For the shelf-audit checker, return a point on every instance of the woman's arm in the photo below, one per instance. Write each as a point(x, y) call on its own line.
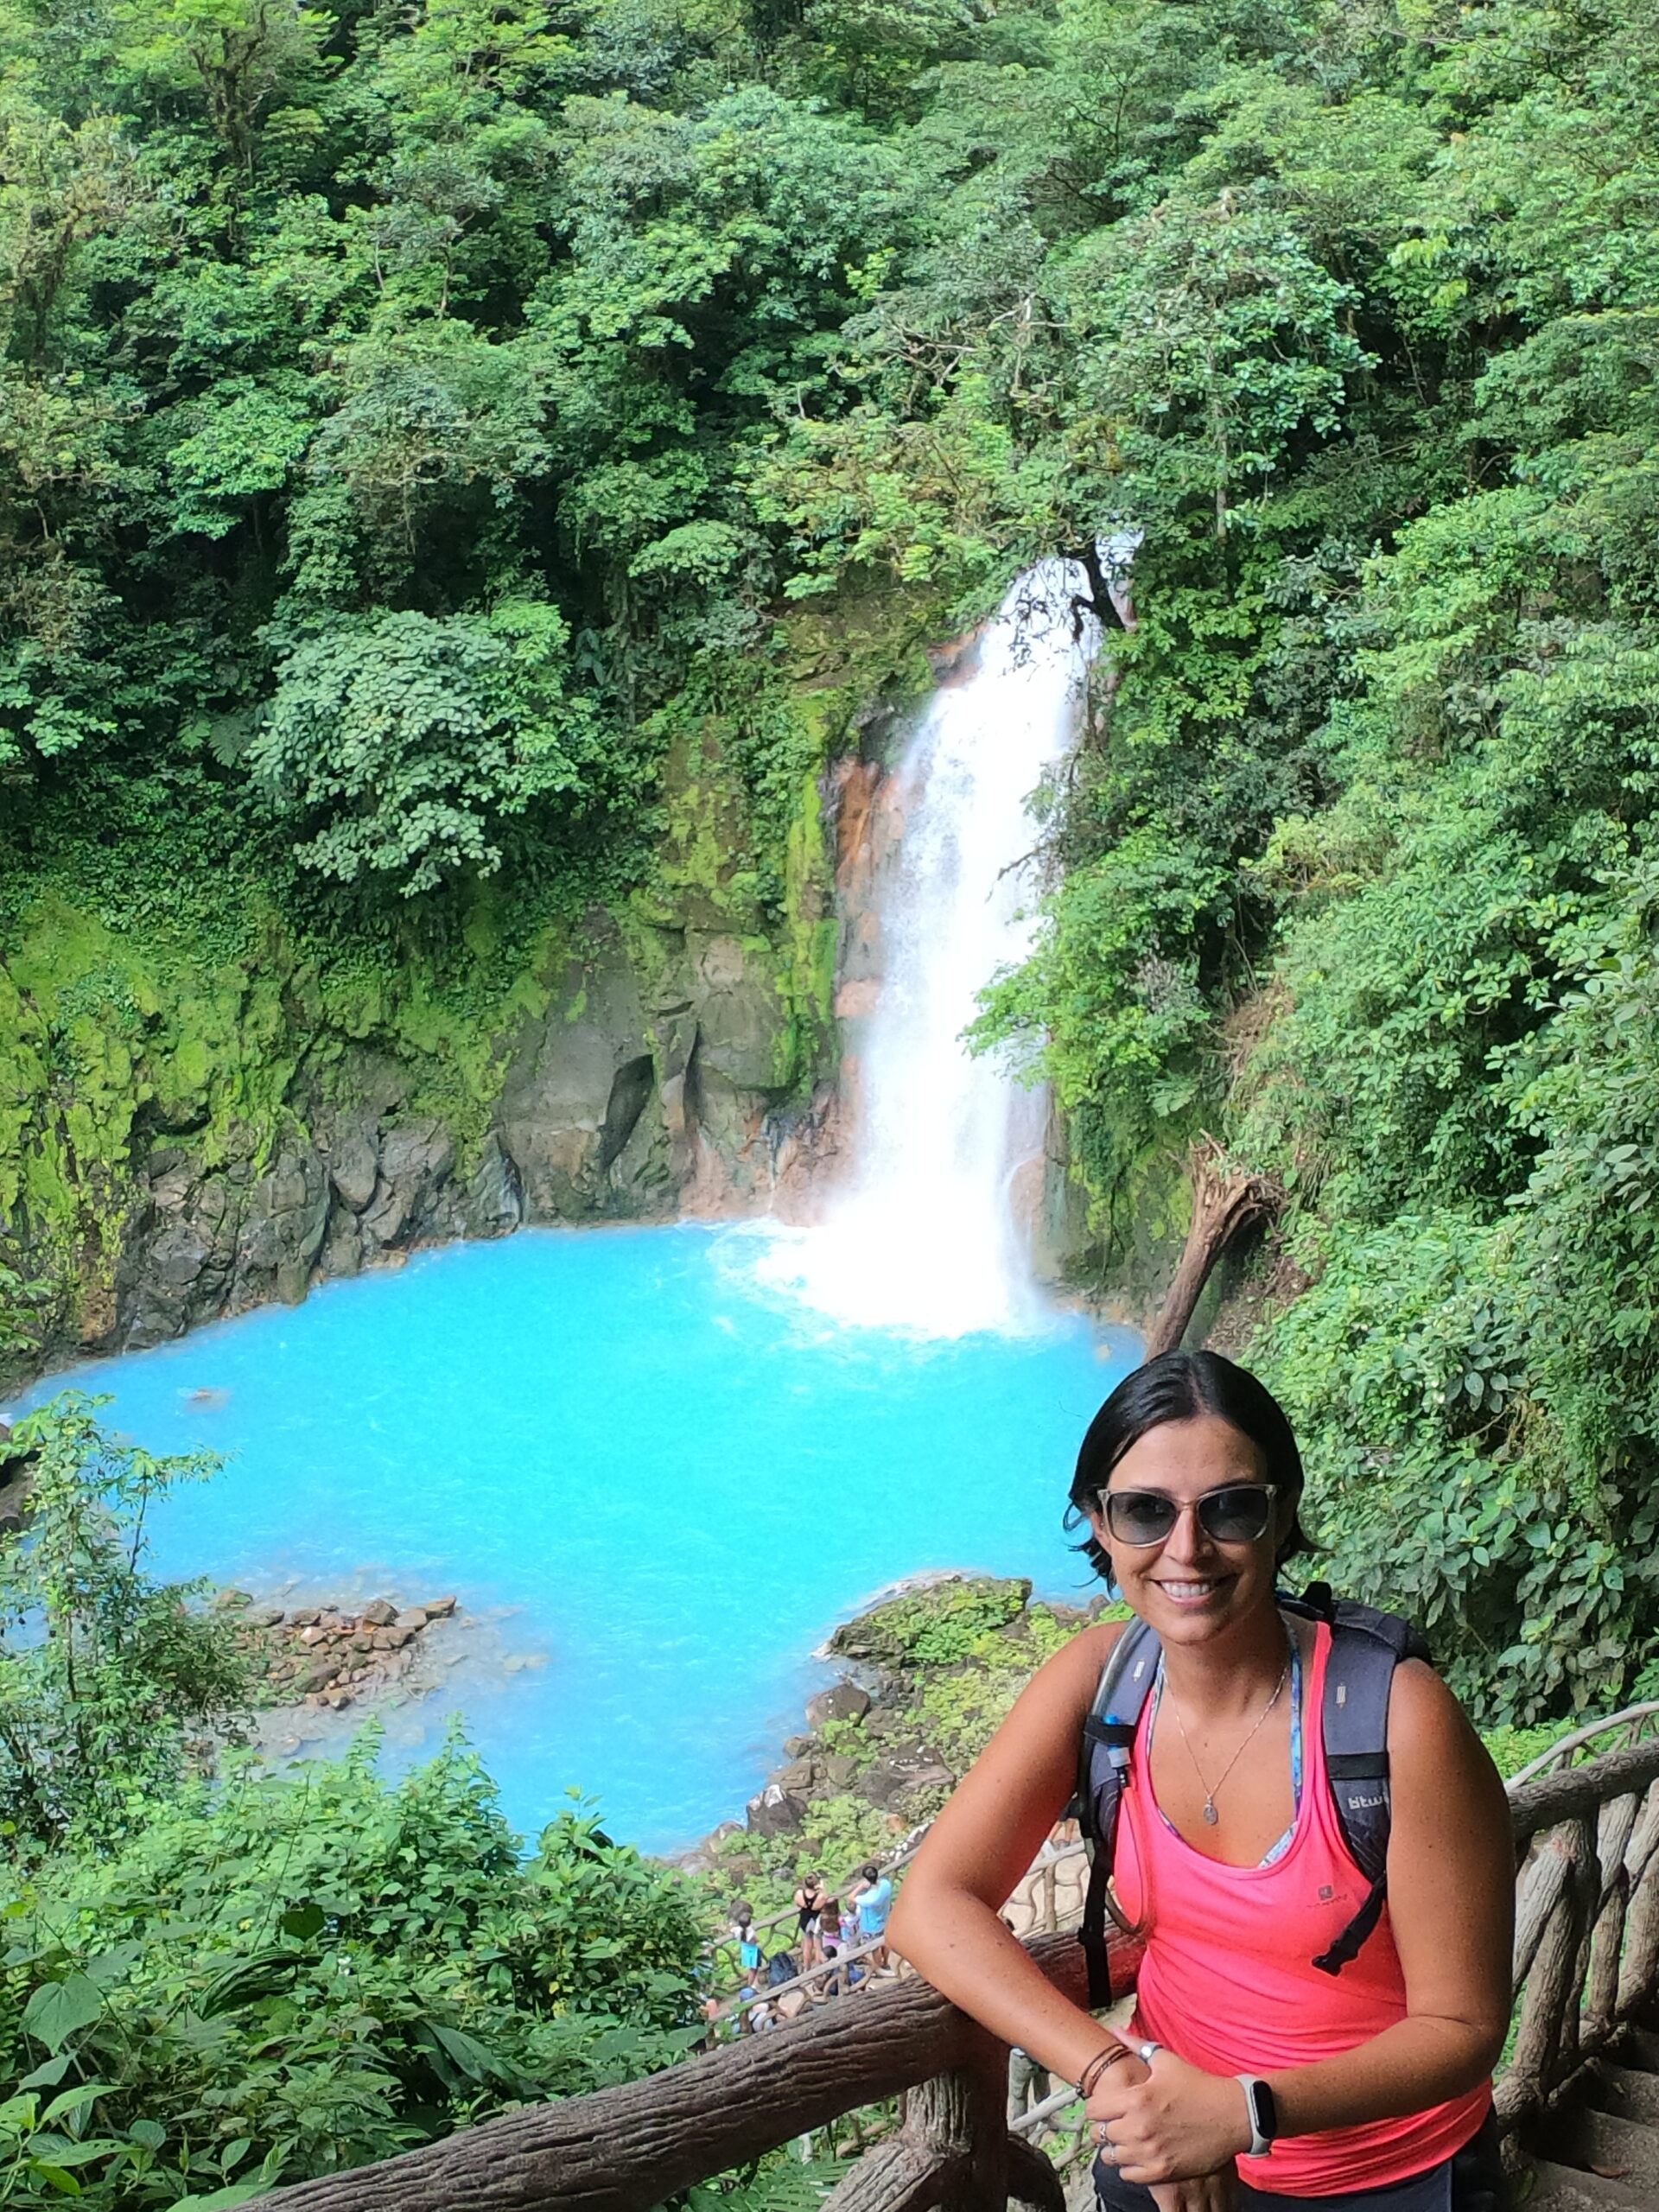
point(946, 1918)
point(1451, 1905)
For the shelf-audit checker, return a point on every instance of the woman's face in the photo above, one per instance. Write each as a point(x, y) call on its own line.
point(1189, 1587)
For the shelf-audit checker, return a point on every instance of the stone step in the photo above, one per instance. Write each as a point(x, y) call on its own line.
point(1625, 2091)
point(1627, 2152)
point(1565, 2188)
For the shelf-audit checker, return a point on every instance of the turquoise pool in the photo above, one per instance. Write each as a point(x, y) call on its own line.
point(654, 1483)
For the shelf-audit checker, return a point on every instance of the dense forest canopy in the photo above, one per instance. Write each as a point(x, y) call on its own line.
point(413, 414)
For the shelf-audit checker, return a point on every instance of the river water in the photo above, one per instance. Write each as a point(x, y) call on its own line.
point(658, 1465)
point(645, 1473)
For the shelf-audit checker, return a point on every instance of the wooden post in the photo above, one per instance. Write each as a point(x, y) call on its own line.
point(961, 2119)
point(1537, 1893)
point(1639, 1968)
point(1606, 1942)
point(1549, 2008)
point(1614, 1829)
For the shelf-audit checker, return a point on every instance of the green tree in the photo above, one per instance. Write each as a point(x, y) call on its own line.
point(104, 1670)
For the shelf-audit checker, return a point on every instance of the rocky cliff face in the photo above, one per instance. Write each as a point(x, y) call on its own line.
point(657, 1077)
point(177, 1142)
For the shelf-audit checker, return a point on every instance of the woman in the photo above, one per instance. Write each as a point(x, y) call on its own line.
point(1377, 2080)
point(830, 1940)
point(809, 1899)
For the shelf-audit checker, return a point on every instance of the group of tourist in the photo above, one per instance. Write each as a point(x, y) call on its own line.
point(836, 1949)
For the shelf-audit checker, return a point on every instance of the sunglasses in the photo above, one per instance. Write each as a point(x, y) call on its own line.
point(1237, 1513)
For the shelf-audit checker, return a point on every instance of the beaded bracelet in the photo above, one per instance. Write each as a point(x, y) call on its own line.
point(1108, 2055)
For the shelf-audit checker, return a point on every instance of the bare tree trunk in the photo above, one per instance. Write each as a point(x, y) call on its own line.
point(1224, 1202)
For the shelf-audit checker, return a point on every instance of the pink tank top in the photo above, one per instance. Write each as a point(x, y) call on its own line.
point(1229, 1984)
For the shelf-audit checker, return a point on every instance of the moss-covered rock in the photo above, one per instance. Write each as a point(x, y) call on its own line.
point(934, 1625)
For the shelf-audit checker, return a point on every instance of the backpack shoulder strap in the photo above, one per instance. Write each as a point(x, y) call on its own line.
point(1366, 1646)
point(1103, 1770)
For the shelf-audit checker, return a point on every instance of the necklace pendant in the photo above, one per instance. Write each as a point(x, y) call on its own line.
point(1209, 1813)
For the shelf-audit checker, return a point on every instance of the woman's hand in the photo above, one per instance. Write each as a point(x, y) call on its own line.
point(1173, 2123)
point(1216, 2192)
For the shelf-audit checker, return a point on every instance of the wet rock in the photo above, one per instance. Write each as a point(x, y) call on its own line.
point(341, 1255)
point(839, 1771)
point(842, 1700)
point(412, 1617)
point(415, 1158)
point(282, 1229)
point(799, 1777)
point(775, 1811)
point(580, 1083)
point(229, 1600)
point(168, 1270)
point(380, 1612)
point(495, 1201)
point(437, 1608)
point(890, 1779)
point(353, 1152)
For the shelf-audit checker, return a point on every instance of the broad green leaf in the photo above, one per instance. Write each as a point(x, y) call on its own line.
point(59, 2010)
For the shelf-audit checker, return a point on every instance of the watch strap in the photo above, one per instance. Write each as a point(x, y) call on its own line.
point(1263, 2113)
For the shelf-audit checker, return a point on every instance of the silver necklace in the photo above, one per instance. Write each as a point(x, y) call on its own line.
point(1209, 1813)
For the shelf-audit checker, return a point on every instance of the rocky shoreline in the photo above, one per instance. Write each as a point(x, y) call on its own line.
point(927, 1673)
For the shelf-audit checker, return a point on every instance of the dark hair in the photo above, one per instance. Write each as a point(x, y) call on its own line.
point(1181, 1385)
point(870, 1873)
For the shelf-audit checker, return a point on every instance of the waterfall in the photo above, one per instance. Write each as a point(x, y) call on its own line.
point(924, 1236)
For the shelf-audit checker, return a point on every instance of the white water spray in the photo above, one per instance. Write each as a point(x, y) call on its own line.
point(926, 1238)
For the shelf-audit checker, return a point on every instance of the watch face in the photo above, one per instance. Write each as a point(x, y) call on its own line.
point(1264, 2113)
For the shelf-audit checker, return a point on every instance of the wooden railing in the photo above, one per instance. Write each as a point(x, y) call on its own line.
point(1587, 1960)
point(627, 2149)
point(1586, 1907)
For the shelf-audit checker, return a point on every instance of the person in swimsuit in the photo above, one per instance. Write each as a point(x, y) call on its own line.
point(808, 1898)
point(1247, 2071)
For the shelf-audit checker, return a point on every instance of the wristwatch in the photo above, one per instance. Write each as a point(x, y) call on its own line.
point(1263, 2112)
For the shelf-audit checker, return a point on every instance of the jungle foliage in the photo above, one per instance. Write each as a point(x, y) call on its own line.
point(214, 1978)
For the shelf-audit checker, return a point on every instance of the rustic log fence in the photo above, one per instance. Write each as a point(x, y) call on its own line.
point(1586, 1907)
point(1587, 1962)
